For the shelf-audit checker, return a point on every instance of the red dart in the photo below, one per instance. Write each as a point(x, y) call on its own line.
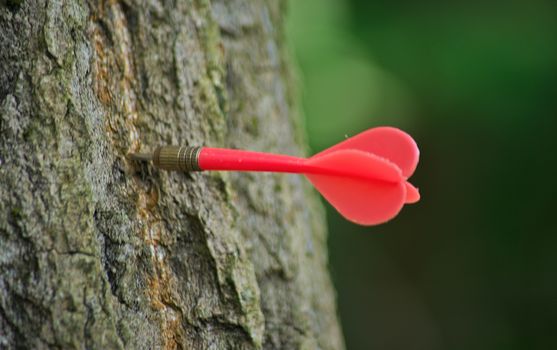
point(363, 177)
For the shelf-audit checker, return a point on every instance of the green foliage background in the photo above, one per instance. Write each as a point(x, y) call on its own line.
point(472, 266)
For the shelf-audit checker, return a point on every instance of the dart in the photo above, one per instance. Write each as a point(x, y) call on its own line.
point(363, 177)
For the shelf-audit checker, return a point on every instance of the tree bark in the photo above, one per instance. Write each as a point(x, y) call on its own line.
point(97, 251)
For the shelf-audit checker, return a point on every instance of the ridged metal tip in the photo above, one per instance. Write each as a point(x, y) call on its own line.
point(144, 157)
point(171, 158)
point(177, 158)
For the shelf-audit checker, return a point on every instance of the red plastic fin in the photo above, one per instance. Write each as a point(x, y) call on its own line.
point(412, 193)
point(365, 202)
point(356, 164)
point(387, 142)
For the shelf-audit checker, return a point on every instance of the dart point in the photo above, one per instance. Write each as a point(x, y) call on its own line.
point(143, 157)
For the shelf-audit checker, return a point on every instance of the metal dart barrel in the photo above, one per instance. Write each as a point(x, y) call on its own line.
point(178, 158)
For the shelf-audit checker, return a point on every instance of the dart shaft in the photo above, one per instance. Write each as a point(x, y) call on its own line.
point(207, 158)
point(231, 159)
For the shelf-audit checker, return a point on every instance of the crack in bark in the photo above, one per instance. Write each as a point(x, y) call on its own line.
point(159, 284)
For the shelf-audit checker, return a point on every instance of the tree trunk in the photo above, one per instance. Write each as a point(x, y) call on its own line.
point(97, 251)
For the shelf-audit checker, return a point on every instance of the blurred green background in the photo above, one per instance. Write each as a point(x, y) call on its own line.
point(473, 265)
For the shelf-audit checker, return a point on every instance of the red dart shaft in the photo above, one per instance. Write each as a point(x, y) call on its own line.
point(231, 159)
point(239, 160)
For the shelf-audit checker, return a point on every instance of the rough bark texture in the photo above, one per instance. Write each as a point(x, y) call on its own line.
point(100, 252)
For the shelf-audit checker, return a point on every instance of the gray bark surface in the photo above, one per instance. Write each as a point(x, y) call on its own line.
point(99, 252)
